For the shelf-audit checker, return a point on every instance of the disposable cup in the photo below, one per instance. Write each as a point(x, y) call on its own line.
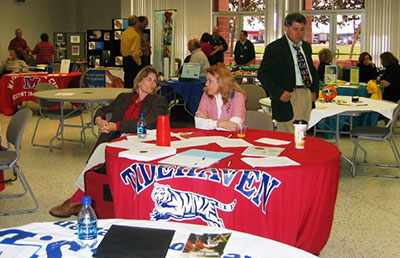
point(163, 131)
point(241, 132)
point(300, 131)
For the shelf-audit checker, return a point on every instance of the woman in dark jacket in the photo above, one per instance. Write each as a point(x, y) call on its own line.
point(391, 77)
point(367, 68)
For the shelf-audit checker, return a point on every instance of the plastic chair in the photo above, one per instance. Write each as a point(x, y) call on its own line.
point(375, 134)
point(46, 112)
point(9, 157)
point(254, 94)
point(259, 120)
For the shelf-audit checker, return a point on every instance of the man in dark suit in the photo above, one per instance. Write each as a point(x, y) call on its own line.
point(217, 42)
point(288, 75)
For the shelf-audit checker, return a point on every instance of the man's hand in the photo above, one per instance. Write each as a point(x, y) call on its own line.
point(285, 97)
point(313, 96)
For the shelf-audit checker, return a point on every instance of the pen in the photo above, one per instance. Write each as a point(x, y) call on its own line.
point(229, 136)
point(229, 163)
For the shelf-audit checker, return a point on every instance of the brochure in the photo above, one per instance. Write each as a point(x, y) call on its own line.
point(206, 245)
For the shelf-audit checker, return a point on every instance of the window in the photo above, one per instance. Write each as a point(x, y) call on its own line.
point(232, 16)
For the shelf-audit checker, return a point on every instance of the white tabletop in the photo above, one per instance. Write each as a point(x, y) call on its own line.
point(328, 109)
point(81, 95)
point(40, 236)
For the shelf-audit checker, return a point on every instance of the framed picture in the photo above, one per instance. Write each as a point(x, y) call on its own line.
point(60, 54)
point(118, 24)
point(118, 60)
point(94, 34)
point(117, 35)
point(92, 45)
point(59, 37)
point(75, 50)
point(75, 39)
point(106, 36)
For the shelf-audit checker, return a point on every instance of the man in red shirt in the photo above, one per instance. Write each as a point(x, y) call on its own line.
point(19, 42)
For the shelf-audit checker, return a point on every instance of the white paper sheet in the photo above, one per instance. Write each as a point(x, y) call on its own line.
point(262, 151)
point(270, 162)
point(128, 144)
point(64, 94)
point(272, 141)
point(227, 142)
point(147, 152)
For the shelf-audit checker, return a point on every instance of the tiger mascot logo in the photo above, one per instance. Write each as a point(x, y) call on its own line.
point(180, 205)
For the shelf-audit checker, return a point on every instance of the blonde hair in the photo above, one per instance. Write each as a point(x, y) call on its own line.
point(324, 54)
point(143, 74)
point(226, 82)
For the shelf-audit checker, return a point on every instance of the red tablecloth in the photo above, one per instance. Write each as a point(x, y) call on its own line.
point(16, 88)
point(292, 204)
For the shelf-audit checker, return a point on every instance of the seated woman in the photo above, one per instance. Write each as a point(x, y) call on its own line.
point(222, 105)
point(367, 68)
point(13, 63)
point(391, 77)
point(125, 110)
point(325, 58)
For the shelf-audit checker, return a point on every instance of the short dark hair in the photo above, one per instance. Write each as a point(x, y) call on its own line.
point(244, 32)
point(294, 17)
point(44, 37)
point(142, 18)
point(205, 37)
point(388, 59)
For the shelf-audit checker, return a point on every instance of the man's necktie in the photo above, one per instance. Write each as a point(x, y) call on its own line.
point(305, 75)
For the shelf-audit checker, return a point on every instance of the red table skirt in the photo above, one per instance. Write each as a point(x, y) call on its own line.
point(292, 204)
point(17, 88)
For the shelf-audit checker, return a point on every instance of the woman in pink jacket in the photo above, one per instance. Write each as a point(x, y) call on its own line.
point(222, 106)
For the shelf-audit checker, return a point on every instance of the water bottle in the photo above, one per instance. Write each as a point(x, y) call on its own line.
point(87, 224)
point(50, 68)
point(141, 128)
point(21, 68)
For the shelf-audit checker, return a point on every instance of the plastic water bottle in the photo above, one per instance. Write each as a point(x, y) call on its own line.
point(50, 68)
point(87, 224)
point(141, 128)
point(21, 68)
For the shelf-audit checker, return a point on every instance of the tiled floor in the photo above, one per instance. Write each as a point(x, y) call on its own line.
point(367, 214)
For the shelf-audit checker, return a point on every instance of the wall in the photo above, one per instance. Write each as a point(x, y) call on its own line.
point(37, 16)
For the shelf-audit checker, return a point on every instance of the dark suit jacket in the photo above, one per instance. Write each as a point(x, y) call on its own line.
point(277, 75)
point(153, 106)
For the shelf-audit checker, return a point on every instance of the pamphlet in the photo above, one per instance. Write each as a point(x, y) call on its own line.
point(261, 151)
point(354, 75)
point(330, 73)
point(206, 245)
point(196, 158)
point(147, 152)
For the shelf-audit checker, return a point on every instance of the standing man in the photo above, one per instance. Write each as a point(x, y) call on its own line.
point(131, 51)
point(244, 50)
point(288, 75)
point(146, 48)
point(19, 42)
point(197, 56)
point(219, 43)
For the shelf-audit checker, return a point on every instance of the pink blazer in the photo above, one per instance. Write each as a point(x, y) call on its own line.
point(235, 107)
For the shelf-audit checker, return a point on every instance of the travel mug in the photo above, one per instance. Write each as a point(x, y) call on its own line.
point(300, 131)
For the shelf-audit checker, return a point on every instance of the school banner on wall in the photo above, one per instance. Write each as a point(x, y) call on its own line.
point(164, 41)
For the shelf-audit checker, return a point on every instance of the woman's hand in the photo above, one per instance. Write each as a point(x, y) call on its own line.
point(103, 125)
point(385, 83)
point(201, 115)
point(228, 125)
